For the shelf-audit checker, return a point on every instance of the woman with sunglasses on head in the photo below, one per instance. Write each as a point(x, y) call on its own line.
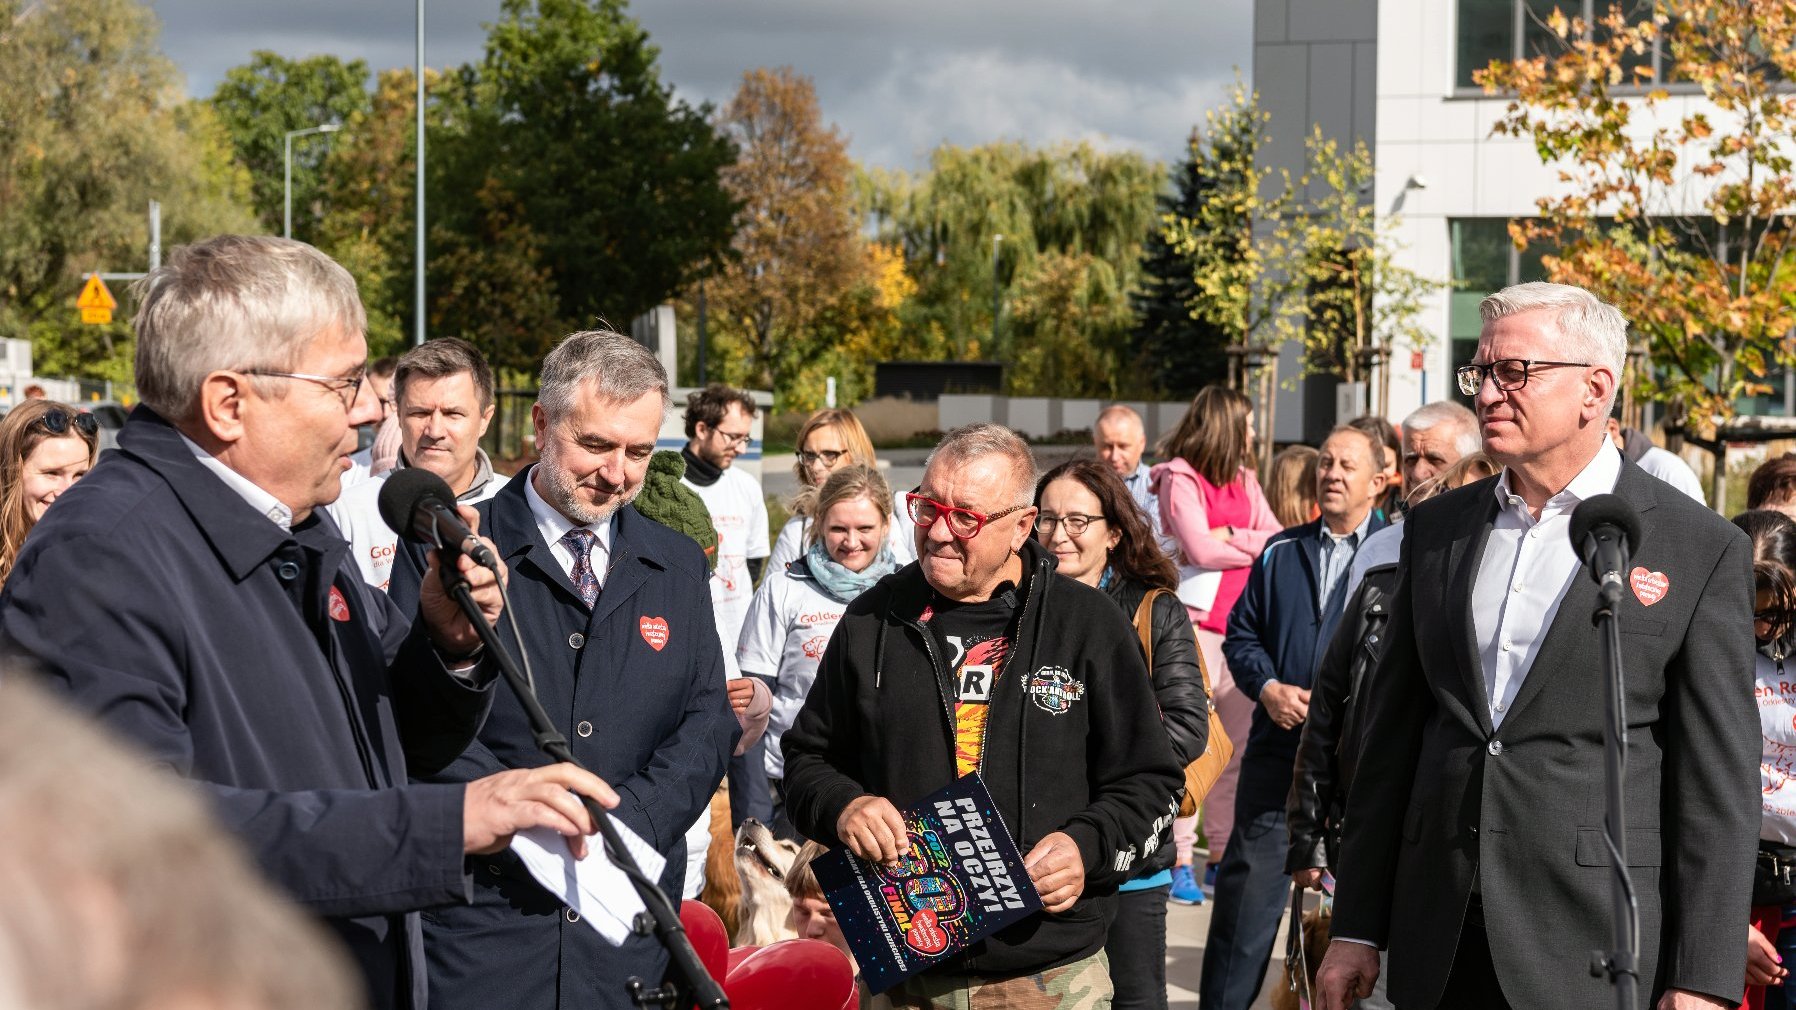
point(830, 440)
point(1772, 925)
point(1212, 505)
point(1098, 536)
point(45, 447)
point(796, 607)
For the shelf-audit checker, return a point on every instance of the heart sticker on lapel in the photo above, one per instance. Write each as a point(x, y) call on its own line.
point(339, 607)
point(654, 631)
point(1649, 587)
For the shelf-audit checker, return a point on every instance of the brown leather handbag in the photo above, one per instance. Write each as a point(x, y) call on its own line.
point(1202, 773)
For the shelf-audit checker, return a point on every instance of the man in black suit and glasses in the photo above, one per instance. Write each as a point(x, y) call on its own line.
point(1473, 836)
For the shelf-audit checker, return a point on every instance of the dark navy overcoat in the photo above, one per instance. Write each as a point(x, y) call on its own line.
point(637, 686)
point(255, 662)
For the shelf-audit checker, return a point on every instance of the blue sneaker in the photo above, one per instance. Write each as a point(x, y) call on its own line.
point(1184, 887)
point(1210, 877)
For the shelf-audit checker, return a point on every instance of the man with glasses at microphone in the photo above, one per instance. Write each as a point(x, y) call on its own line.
point(1473, 846)
point(194, 597)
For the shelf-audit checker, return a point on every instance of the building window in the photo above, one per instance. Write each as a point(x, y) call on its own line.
point(1517, 29)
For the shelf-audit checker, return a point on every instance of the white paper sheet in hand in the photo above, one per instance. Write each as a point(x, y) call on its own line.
point(594, 886)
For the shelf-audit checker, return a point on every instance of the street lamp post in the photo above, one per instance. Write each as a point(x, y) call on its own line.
point(418, 193)
point(287, 187)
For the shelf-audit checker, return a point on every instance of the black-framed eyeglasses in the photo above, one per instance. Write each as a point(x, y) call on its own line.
point(59, 421)
point(964, 524)
point(347, 387)
point(1074, 522)
point(1508, 373)
point(1776, 616)
point(729, 439)
point(827, 457)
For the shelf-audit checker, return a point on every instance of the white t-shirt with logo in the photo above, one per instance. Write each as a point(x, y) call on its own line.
point(789, 624)
point(371, 541)
point(1776, 693)
point(739, 512)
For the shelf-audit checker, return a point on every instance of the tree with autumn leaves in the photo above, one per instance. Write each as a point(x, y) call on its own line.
point(1674, 207)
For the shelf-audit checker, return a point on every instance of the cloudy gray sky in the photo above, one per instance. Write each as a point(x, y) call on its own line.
point(897, 78)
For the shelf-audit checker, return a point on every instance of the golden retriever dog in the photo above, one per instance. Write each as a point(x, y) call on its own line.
point(764, 911)
point(723, 888)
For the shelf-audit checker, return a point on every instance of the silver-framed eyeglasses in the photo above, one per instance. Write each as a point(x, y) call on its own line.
point(1508, 373)
point(729, 439)
point(1074, 522)
point(345, 386)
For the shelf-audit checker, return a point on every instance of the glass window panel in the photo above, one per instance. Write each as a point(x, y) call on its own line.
point(1480, 253)
point(1537, 38)
point(1486, 32)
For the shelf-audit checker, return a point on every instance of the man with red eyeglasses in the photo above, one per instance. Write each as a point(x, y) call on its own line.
point(981, 658)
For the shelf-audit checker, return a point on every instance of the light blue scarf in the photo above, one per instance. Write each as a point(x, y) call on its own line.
point(841, 584)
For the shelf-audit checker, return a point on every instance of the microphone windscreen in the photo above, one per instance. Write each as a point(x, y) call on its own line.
point(404, 490)
point(1605, 509)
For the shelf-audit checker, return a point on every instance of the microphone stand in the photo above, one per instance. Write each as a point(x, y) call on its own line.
point(687, 984)
point(1620, 965)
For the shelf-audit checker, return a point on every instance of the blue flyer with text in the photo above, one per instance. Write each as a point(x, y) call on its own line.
point(961, 881)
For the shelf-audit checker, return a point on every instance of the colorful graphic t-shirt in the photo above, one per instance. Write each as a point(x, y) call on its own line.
point(975, 640)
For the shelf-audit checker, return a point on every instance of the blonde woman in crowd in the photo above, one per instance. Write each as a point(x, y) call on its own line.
point(830, 440)
point(1291, 485)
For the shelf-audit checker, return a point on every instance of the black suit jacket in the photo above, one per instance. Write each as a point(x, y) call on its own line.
point(1440, 798)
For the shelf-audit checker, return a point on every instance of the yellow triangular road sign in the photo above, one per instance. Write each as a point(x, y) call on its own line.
point(95, 296)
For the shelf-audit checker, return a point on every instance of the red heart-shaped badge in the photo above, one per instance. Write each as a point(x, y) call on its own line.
point(339, 607)
point(926, 935)
point(1649, 587)
point(654, 632)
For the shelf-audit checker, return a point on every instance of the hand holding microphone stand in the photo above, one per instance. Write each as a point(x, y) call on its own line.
point(419, 506)
point(1604, 531)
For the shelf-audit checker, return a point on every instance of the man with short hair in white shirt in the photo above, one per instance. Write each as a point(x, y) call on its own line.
point(1121, 440)
point(1473, 840)
point(718, 420)
point(1661, 463)
point(443, 389)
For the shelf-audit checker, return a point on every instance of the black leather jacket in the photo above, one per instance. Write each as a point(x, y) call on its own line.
point(1178, 689)
point(1329, 750)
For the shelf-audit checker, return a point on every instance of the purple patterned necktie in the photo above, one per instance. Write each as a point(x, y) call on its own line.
point(579, 543)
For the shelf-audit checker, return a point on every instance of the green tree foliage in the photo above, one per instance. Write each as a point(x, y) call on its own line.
point(617, 178)
point(1064, 208)
point(1181, 352)
point(93, 130)
point(491, 287)
point(261, 101)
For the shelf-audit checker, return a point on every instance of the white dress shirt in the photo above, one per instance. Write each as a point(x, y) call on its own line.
point(552, 526)
point(248, 490)
point(1527, 566)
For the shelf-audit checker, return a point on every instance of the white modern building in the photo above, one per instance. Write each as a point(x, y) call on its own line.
point(1398, 74)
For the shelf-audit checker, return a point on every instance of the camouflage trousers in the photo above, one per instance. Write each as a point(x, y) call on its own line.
point(1082, 985)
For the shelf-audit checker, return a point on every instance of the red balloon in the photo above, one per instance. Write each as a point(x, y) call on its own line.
point(792, 975)
point(705, 929)
point(738, 954)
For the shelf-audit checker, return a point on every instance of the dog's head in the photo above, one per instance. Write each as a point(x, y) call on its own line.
point(762, 862)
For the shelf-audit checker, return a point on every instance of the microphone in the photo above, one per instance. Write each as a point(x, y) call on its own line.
point(1604, 531)
point(418, 505)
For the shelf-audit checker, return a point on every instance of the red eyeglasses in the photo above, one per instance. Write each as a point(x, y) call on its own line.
point(964, 524)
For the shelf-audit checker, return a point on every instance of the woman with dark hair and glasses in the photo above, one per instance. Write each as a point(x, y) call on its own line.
point(1773, 924)
point(1098, 536)
point(45, 446)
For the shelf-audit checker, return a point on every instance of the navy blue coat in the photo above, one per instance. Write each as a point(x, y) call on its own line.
point(1277, 632)
point(202, 632)
point(655, 723)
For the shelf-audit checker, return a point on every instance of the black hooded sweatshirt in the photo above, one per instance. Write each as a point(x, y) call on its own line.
point(880, 720)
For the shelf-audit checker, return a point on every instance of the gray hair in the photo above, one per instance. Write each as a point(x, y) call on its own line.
point(1595, 331)
point(623, 371)
point(970, 442)
point(1428, 415)
point(234, 302)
